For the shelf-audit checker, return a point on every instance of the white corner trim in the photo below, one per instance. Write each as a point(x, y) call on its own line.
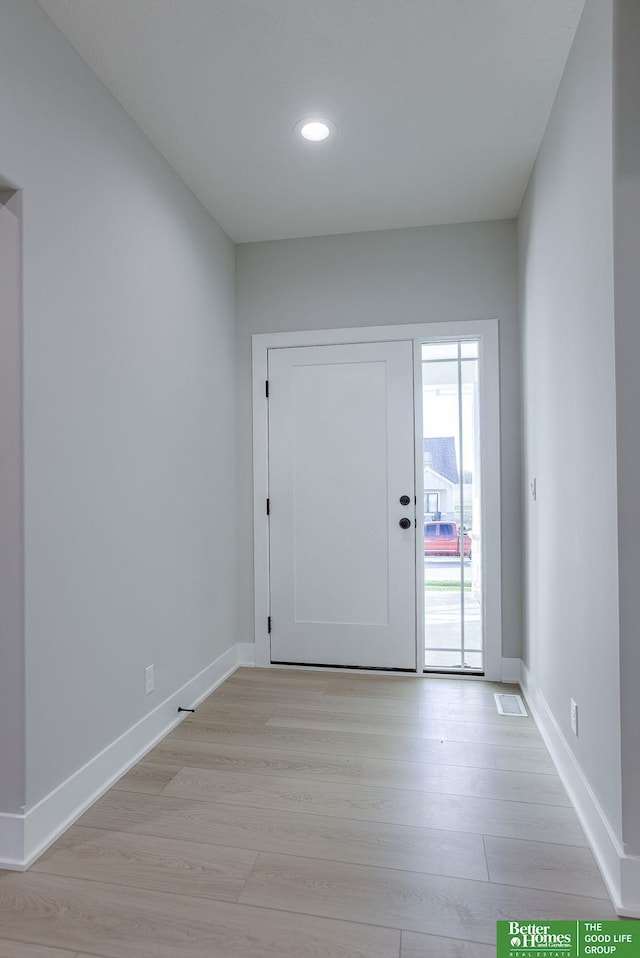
point(23, 838)
point(630, 885)
point(12, 841)
point(511, 669)
point(621, 872)
point(246, 653)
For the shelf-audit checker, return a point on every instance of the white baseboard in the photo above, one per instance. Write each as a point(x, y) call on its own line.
point(23, 838)
point(620, 872)
point(511, 670)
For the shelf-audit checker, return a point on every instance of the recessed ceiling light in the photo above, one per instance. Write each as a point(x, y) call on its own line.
point(315, 129)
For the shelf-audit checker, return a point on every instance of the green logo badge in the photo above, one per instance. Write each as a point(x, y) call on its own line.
point(568, 939)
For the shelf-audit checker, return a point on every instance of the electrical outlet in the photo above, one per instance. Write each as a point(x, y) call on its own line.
point(148, 680)
point(574, 717)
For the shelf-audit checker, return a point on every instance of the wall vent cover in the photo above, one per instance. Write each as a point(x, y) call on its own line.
point(510, 704)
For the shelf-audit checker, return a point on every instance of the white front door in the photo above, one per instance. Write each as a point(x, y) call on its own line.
point(341, 456)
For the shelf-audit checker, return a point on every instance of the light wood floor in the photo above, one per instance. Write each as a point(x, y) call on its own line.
point(315, 815)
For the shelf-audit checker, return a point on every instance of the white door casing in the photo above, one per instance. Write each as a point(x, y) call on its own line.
point(487, 332)
point(341, 453)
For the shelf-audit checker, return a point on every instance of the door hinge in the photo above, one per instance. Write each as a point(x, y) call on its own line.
point(266, 388)
point(269, 624)
point(268, 507)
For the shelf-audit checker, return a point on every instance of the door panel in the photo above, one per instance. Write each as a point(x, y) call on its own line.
point(341, 453)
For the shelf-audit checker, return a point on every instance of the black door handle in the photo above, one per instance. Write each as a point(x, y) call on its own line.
point(404, 500)
point(405, 523)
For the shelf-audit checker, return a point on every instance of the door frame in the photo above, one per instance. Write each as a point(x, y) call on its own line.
point(487, 332)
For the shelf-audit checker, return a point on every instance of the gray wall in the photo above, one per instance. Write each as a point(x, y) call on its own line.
point(129, 428)
point(567, 305)
point(627, 302)
point(434, 274)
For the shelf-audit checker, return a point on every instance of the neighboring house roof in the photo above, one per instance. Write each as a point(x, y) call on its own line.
point(440, 456)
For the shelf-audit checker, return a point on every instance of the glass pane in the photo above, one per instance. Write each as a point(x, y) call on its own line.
point(453, 612)
point(473, 660)
point(469, 350)
point(431, 351)
point(445, 660)
point(471, 513)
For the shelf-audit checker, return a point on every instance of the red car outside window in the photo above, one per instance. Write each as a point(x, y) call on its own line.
point(443, 539)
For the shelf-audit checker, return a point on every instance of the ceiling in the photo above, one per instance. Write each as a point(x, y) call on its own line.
point(440, 105)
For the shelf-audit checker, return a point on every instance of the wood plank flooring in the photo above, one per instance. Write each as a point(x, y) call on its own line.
point(302, 814)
